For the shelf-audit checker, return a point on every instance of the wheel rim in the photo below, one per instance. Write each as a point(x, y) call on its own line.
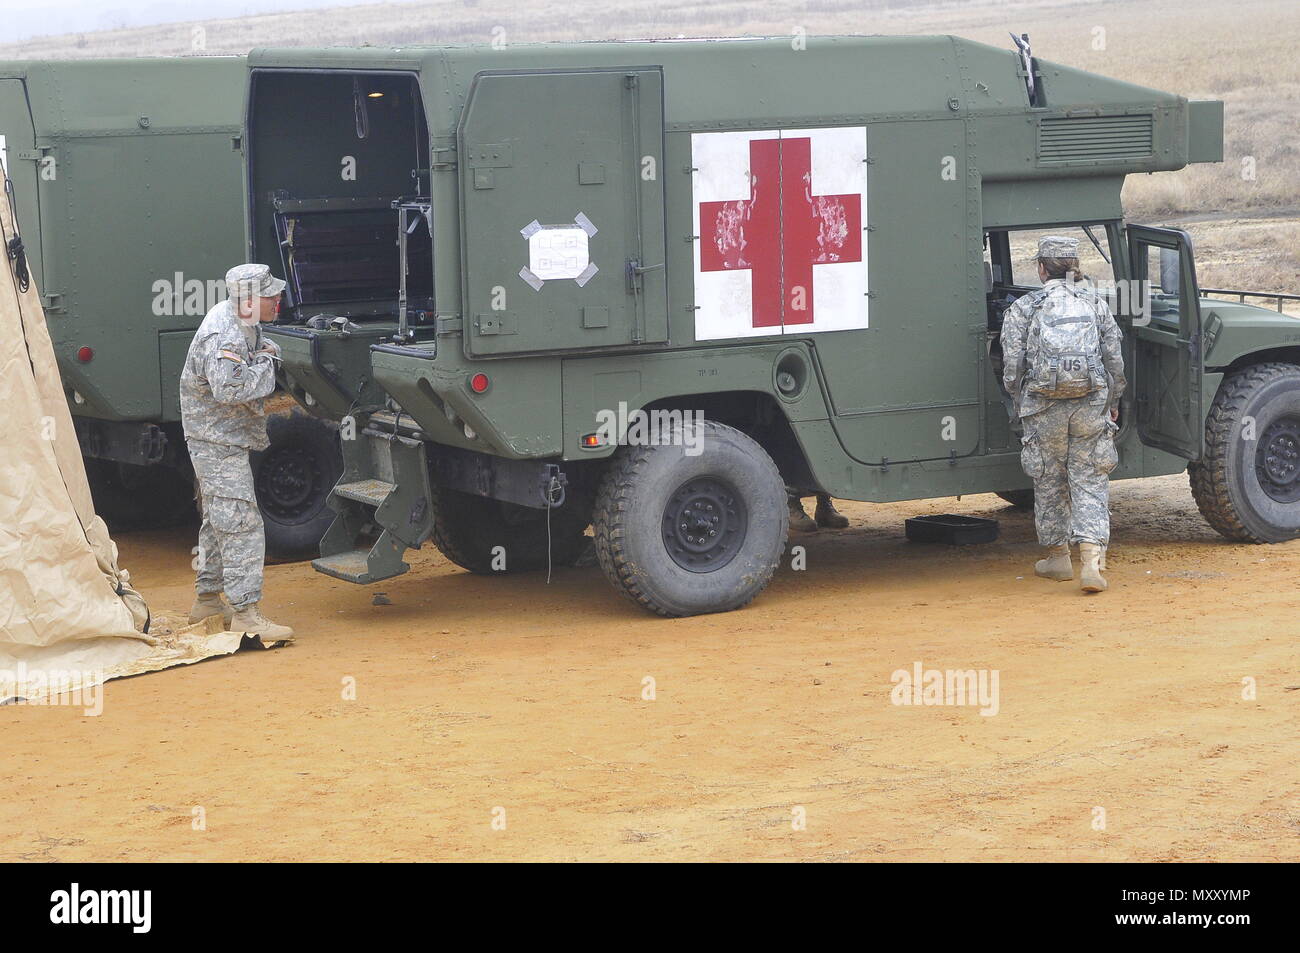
point(1277, 460)
point(704, 524)
point(287, 483)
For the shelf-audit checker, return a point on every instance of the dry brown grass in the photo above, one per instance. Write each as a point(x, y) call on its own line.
point(1240, 51)
point(1251, 254)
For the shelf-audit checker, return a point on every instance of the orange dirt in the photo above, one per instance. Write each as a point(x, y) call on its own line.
point(480, 693)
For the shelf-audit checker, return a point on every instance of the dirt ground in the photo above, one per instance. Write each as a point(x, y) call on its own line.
point(481, 699)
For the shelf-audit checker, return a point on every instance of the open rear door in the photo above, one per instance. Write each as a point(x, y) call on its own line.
point(562, 211)
point(1167, 378)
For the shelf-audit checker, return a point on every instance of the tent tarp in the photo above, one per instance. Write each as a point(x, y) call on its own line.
point(65, 605)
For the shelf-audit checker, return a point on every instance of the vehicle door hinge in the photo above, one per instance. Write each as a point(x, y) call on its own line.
point(1213, 325)
point(442, 160)
point(52, 302)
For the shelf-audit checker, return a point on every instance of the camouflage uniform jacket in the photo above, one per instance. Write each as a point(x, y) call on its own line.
point(224, 381)
point(1019, 339)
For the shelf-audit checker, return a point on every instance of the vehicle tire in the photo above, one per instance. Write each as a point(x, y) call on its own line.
point(1249, 489)
point(467, 529)
point(1020, 499)
point(129, 496)
point(654, 505)
point(293, 478)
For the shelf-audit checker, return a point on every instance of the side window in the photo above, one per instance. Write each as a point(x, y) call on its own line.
point(1023, 247)
point(1011, 265)
point(1159, 272)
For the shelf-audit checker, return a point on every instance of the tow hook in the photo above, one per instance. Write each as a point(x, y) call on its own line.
point(552, 486)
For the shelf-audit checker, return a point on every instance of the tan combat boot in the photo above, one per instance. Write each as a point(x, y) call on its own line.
point(800, 522)
point(1057, 565)
point(208, 604)
point(1090, 578)
point(828, 515)
point(250, 620)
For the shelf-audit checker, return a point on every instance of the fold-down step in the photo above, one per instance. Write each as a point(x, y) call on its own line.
point(354, 566)
point(371, 492)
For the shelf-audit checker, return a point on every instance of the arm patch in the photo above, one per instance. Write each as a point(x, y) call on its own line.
point(230, 355)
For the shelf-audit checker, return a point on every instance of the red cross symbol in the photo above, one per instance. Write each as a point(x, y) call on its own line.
point(780, 232)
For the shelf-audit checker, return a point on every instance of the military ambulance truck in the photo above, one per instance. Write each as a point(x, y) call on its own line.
point(645, 286)
point(127, 179)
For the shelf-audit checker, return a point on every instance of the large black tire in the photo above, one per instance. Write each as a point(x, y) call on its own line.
point(467, 529)
point(1020, 499)
point(655, 506)
point(130, 497)
point(1249, 489)
point(293, 478)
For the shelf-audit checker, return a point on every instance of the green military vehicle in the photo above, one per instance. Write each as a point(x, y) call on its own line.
point(645, 286)
point(127, 178)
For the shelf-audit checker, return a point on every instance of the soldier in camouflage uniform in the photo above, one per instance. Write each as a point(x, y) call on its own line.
point(1064, 370)
point(228, 373)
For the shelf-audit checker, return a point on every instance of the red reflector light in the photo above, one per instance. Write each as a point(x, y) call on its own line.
point(479, 383)
point(85, 354)
point(592, 440)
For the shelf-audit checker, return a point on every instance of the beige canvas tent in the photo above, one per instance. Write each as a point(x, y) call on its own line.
point(69, 617)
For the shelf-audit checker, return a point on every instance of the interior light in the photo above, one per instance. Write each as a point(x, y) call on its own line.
point(375, 95)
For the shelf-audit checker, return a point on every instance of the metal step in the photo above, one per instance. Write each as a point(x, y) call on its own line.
point(354, 566)
point(371, 492)
point(350, 566)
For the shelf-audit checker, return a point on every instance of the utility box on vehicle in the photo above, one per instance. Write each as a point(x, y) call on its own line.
point(127, 177)
point(645, 286)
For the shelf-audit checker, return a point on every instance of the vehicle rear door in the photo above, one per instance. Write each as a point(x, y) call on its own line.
point(562, 210)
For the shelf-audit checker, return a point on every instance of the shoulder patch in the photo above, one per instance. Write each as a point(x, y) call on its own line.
point(230, 355)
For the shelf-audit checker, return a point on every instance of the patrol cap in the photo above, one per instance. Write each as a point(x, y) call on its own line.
point(1057, 246)
point(246, 281)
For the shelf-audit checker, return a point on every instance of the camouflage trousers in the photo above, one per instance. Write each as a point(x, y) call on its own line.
point(1069, 451)
point(232, 540)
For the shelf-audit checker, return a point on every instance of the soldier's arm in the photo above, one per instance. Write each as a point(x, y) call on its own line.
point(1015, 327)
point(1112, 355)
point(236, 377)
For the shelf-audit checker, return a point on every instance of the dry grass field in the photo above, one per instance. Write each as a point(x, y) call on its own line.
point(1243, 212)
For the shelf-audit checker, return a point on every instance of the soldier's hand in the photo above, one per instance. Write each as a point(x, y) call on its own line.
point(270, 349)
point(1114, 414)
